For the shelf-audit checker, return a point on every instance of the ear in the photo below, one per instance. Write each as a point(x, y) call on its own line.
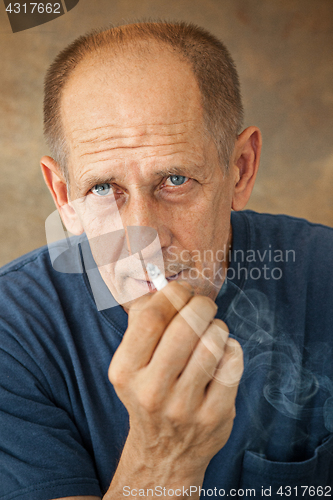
point(57, 185)
point(245, 164)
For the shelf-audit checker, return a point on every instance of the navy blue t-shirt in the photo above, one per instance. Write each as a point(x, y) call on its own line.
point(62, 426)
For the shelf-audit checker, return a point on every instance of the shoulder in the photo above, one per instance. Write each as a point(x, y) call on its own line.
point(285, 230)
point(25, 275)
point(301, 249)
point(287, 223)
point(24, 260)
point(33, 293)
point(36, 271)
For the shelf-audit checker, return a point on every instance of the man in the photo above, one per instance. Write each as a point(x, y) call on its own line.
point(144, 127)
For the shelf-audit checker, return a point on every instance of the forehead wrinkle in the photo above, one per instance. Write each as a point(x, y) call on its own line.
point(128, 147)
point(102, 143)
point(113, 138)
point(194, 158)
point(148, 126)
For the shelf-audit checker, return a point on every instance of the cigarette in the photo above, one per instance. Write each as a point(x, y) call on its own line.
point(158, 279)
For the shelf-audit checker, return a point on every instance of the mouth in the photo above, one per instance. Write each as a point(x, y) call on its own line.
point(174, 276)
point(151, 286)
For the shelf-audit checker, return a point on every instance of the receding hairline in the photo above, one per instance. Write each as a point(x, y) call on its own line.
point(94, 61)
point(189, 43)
point(129, 52)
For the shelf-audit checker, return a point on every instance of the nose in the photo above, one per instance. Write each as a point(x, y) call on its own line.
point(144, 220)
point(140, 211)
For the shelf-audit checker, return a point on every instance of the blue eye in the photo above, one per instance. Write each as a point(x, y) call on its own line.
point(101, 189)
point(178, 180)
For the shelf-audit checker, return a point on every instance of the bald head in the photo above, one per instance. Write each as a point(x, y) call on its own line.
point(146, 81)
point(150, 48)
point(153, 108)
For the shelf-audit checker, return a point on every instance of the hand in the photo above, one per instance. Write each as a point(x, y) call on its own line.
point(181, 415)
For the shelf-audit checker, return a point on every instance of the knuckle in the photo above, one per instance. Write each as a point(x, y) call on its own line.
point(229, 413)
point(148, 401)
point(177, 413)
point(181, 334)
point(220, 416)
point(118, 376)
point(212, 420)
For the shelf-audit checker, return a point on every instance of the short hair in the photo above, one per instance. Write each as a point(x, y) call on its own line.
point(210, 61)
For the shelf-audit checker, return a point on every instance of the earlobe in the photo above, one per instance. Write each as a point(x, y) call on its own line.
point(245, 164)
point(57, 185)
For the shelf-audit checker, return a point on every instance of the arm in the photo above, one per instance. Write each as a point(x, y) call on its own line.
point(154, 371)
point(163, 371)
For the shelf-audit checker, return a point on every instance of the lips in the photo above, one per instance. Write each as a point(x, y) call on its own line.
point(150, 284)
point(173, 277)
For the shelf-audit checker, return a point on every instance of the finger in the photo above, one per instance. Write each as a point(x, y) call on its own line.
point(137, 305)
point(180, 338)
point(222, 390)
point(214, 341)
point(230, 369)
point(202, 365)
point(147, 325)
point(175, 299)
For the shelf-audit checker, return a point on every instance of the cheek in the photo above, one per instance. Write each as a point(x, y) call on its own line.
point(193, 228)
point(206, 226)
point(92, 227)
point(100, 220)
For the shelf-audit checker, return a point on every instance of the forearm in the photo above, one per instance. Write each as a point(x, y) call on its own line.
point(171, 480)
point(180, 414)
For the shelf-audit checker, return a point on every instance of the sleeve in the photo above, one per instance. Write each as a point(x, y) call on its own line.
point(41, 452)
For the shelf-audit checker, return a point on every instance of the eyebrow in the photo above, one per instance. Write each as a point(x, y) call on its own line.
point(187, 171)
point(191, 170)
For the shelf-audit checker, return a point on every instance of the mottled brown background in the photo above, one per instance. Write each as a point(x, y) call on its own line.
point(283, 50)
